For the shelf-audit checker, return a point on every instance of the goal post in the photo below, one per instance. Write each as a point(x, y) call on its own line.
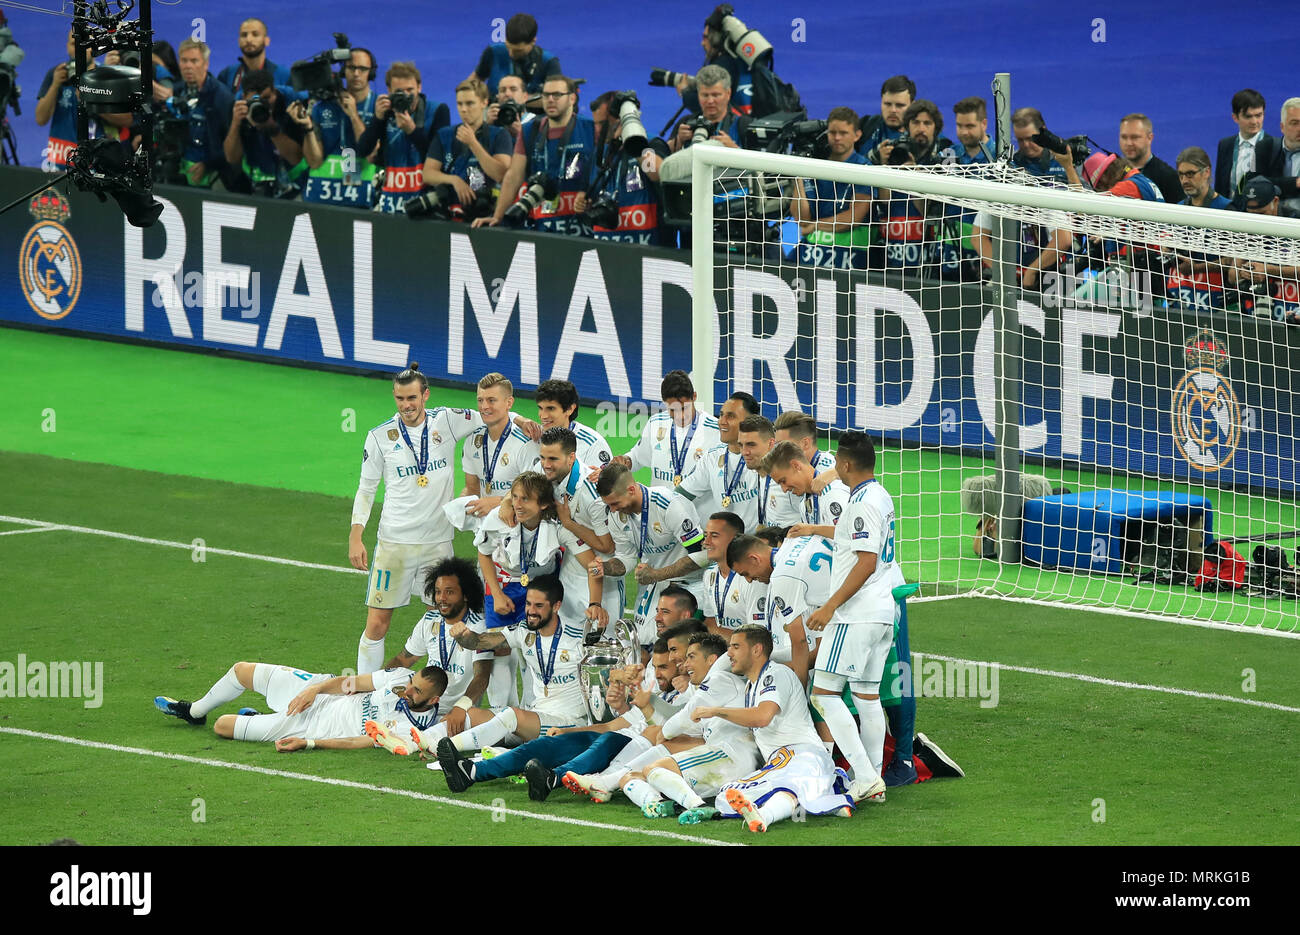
point(1145, 375)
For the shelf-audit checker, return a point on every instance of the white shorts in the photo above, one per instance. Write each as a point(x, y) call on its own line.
point(397, 572)
point(855, 651)
point(284, 684)
point(804, 770)
point(708, 770)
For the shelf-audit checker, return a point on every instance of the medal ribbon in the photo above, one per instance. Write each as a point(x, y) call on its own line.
point(548, 671)
point(720, 601)
point(490, 469)
point(422, 459)
point(751, 690)
point(645, 522)
point(679, 464)
point(524, 563)
point(729, 485)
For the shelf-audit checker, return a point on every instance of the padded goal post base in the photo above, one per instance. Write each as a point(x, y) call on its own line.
point(1087, 531)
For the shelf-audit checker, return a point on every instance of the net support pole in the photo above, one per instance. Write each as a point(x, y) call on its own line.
point(1002, 115)
point(1006, 381)
point(703, 366)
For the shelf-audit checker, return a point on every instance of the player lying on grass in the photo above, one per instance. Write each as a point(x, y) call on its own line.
point(332, 712)
point(582, 748)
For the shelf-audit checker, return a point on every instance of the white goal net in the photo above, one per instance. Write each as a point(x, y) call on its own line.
point(1103, 387)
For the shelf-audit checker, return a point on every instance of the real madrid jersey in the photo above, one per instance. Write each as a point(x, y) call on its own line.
point(792, 724)
point(661, 437)
point(720, 481)
point(346, 715)
point(516, 550)
point(720, 689)
point(497, 463)
point(867, 526)
point(825, 508)
point(552, 665)
point(589, 510)
point(657, 534)
point(801, 581)
point(430, 638)
point(412, 512)
point(726, 597)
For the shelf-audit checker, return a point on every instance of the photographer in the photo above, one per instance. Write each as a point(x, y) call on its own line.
point(337, 171)
point(560, 154)
point(476, 155)
point(625, 203)
point(1027, 123)
point(403, 124)
point(878, 133)
point(264, 142)
point(207, 105)
point(512, 99)
point(832, 216)
point(57, 105)
point(724, 123)
point(911, 225)
point(519, 55)
point(723, 47)
point(253, 40)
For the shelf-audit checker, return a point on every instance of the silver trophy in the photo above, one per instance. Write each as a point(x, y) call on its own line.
point(608, 653)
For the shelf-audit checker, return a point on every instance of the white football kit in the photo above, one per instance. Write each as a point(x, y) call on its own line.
point(671, 451)
point(430, 638)
point(727, 751)
point(497, 463)
point(796, 761)
point(551, 664)
point(800, 583)
point(588, 510)
point(726, 598)
point(720, 481)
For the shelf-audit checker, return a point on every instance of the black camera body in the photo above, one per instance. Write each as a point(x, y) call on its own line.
point(259, 111)
point(1075, 146)
point(508, 114)
point(701, 129)
point(904, 150)
point(441, 203)
point(316, 75)
point(538, 188)
point(403, 102)
point(602, 211)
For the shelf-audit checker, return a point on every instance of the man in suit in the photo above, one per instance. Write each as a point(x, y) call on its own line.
point(1284, 166)
point(1247, 151)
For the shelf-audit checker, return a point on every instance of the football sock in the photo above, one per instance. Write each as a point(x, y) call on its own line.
point(872, 730)
point(674, 786)
point(778, 808)
point(370, 655)
point(487, 733)
point(641, 793)
point(836, 715)
point(226, 689)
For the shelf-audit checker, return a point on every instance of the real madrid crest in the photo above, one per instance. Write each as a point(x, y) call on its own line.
point(1205, 416)
point(505, 458)
point(49, 264)
point(437, 439)
point(478, 441)
point(564, 655)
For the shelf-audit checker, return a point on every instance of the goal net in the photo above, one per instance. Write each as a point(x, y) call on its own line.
point(1077, 398)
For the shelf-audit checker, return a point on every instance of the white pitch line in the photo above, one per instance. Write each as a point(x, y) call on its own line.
point(23, 532)
point(368, 787)
point(1113, 683)
point(187, 546)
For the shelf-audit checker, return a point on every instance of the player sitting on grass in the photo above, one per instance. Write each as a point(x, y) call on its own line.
point(798, 771)
point(331, 712)
point(726, 751)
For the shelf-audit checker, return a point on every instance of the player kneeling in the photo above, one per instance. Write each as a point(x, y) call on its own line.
point(310, 710)
point(798, 771)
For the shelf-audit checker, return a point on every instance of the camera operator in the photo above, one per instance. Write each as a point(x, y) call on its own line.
point(511, 92)
point(726, 124)
point(625, 203)
point(475, 154)
point(910, 224)
point(253, 40)
point(264, 142)
point(166, 72)
point(1034, 158)
point(57, 105)
point(833, 216)
point(722, 32)
point(519, 55)
point(334, 126)
point(404, 122)
point(878, 133)
point(562, 150)
point(207, 104)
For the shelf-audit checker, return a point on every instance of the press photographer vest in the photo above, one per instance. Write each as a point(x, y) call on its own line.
point(570, 160)
point(638, 204)
point(503, 66)
point(462, 157)
point(403, 160)
point(334, 181)
point(63, 126)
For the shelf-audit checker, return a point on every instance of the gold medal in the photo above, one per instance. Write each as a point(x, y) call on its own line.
point(523, 579)
point(677, 480)
point(546, 691)
point(726, 501)
point(422, 481)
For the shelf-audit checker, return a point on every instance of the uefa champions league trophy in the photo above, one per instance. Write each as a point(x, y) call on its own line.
point(602, 657)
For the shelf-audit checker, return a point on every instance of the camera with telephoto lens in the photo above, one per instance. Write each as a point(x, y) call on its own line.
point(539, 187)
point(508, 114)
point(441, 203)
point(316, 75)
point(1075, 146)
point(627, 108)
point(663, 78)
point(727, 32)
point(601, 212)
point(258, 110)
point(403, 102)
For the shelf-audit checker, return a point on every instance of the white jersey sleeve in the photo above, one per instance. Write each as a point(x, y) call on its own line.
point(417, 644)
point(372, 472)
